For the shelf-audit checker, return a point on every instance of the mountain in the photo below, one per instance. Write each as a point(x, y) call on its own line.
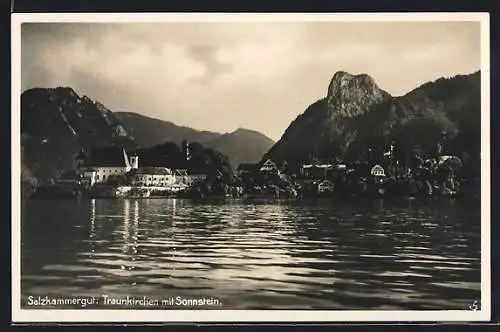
point(149, 132)
point(357, 118)
point(447, 111)
point(56, 124)
point(324, 129)
point(241, 145)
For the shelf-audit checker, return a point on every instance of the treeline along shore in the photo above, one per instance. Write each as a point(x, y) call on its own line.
point(356, 141)
point(440, 176)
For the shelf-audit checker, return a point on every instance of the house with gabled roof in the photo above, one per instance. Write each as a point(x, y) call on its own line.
point(152, 176)
point(325, 186)
point(106, 162)
point(269, 167)
point(377, 171)
point(316, 171)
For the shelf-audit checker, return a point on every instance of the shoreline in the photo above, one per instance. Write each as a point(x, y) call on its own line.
point(267, 198)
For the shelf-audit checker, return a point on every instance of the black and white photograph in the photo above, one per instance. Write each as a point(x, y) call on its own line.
point(250, 167)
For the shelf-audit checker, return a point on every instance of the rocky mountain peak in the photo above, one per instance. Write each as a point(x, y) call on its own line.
point(65, 90)
point(349, 95)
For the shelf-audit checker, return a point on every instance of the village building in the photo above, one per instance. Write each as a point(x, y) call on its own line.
point(316, 171)
point(269, 167)
point(325, 186)
point(164, 177)
point(196, 178)
point(341, 167)
point(301, 182)
point(181, 177)
point(184, 179)
point(377, 171)
point(152, 176)
point(106, 162)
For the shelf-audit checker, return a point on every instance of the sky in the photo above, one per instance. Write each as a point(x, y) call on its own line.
point(221, 76)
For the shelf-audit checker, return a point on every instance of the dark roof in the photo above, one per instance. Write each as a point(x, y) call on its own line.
point(108, 157)
point(152, 171)
point(268, 161)
point(181, 172)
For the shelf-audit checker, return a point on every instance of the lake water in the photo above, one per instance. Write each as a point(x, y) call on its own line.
point(323, 254)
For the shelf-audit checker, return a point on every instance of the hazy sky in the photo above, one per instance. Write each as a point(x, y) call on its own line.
point(222, 76)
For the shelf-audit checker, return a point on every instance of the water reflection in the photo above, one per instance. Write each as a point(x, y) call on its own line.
point(356, 254)
point(92, 230)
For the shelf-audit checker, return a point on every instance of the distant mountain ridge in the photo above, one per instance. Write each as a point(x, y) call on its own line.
point(241, 145)
point(148, 131)
point(57, 124)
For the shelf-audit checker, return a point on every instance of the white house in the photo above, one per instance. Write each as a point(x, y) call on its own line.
point(325, 187)
point(341, 167)
point(377, 170)
point(317, 171)
point(104, 163)
point(269, 166)
point(196, 178)
point(152, 176)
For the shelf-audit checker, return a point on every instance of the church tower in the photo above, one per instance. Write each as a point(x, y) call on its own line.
point(134, 161)
point(186, 150)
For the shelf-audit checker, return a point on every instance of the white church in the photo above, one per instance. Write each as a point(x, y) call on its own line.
point(107, 162)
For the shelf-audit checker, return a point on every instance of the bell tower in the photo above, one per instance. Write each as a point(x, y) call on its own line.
point(186, 150)
point(134, 161)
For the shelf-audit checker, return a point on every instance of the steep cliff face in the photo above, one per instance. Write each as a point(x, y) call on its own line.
point(57, 123)
point(356, 117)
point(324, 129)
point(351, 95)
point(59, 113)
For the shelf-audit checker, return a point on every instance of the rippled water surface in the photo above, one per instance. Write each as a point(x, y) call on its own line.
point(353, 254)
